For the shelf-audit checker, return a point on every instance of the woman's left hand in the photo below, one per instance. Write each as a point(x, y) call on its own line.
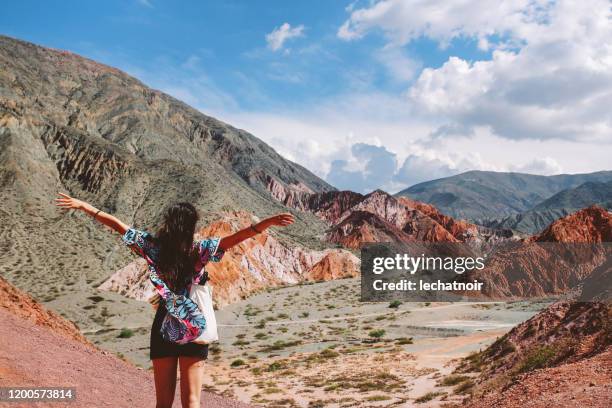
point(280, 220)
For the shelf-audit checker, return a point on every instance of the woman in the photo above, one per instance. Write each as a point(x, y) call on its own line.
point(178, 259)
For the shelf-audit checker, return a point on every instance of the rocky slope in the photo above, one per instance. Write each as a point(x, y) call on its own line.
point(561, 356)
point(590, 225)
point(551, 263)
point(250, 267)
point(486, 195)
point(38, 348)
point(354, 219)
point(23, 307)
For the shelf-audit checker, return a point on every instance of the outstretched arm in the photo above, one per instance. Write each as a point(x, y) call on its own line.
point(66, 202)
point(281, 220)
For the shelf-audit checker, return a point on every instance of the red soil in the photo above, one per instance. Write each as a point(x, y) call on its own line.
point(39, 348)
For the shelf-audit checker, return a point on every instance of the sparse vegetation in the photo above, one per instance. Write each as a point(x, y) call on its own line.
point(429, 396)
point(453, 379)
point(237, 363)
point(395, 304)
point(538, 358)
point(377, 334)
point(125, 333)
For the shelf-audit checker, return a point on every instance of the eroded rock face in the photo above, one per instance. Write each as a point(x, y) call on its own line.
point(258, 263)
point(590, 225)
point(355, 218)
point(539, 268)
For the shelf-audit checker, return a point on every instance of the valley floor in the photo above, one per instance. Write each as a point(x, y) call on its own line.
point(315, 345)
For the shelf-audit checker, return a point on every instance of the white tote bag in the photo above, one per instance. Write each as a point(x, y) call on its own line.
point(202, 296)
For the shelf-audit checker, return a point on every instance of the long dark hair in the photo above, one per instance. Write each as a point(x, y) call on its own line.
point(177, 258)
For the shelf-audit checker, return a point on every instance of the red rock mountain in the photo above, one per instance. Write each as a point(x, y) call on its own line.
point(590, 225)
point(539, 268)
point(355, 218)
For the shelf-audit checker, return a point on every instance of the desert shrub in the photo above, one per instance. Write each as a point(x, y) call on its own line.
point(275, 366)
point(428, 397)
point(538, 358)
point(280, 344)
point(464, 387)
point(404, 340)
point(395, 304)
point(260, 335)
point(329, 353)
point(304, 314)
point(237, 363)
point(378, 398)
point(453, 379)
point(241, 342)
point(377, 334)
point(125, 333)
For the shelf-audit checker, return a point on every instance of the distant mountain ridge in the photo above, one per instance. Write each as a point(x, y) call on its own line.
point(485, 196)
point(557, 206)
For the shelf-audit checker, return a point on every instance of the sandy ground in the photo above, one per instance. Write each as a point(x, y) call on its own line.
point(314, 345)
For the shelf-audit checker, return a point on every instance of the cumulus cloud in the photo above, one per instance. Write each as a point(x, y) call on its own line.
point(378, 165)
point(417, 169)
point(549, 75)
point(545, 166)
point(277, 38)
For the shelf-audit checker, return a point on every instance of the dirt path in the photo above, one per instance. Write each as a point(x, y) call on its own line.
point(32, 355)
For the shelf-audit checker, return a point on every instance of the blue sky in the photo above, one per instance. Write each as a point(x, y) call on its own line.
point(366, 94)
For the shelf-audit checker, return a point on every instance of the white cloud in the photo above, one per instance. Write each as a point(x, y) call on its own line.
point(550, 75)
point(404, 20)
point(277, 38)
point(545, 166)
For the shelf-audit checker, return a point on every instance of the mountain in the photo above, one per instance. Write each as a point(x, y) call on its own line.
point(559, 357)
point(590, 225)
point(354, 219)
point(538, 267)
point(487, 195)
point(71, 124)
point(557, 206)
point(43, 347)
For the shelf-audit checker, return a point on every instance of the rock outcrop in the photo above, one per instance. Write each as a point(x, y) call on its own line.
point(253, 265)
point(568, 343)
point(354, 219)
point(552, 263)
point(590, 225)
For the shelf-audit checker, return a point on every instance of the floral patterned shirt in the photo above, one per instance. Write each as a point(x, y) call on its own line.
point(184, 321)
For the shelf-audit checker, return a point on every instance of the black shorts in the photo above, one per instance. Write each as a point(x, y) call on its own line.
point(161, 348)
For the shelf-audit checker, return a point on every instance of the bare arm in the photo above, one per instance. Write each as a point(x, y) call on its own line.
point(281, 220)
point(66, 202)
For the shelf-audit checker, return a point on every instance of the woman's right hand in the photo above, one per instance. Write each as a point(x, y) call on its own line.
point(66, 202)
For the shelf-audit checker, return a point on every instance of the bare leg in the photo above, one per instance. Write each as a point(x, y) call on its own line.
point(192, 374)
point(164, 373)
